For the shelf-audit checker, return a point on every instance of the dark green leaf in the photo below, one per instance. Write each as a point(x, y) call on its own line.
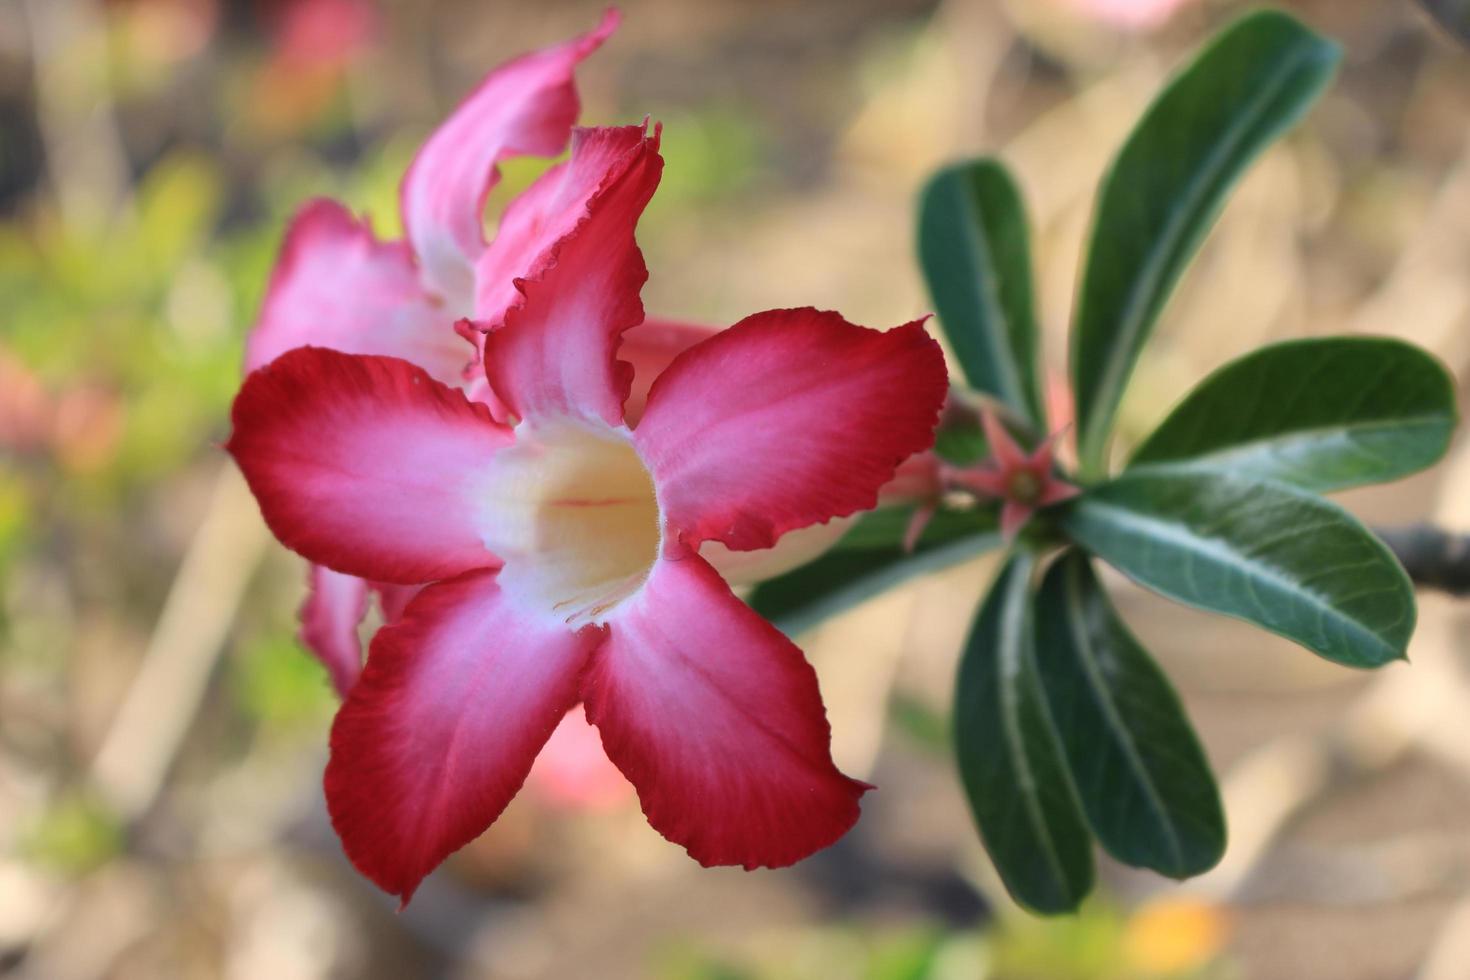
point(1454, 15)
point(869, 560)
point(976, 256)
point(961, 445)
point(1143, 780)
point(885, 528)
point(1321, 414)
point(1009, 758)
point(1166, 188)
point(1264, 552)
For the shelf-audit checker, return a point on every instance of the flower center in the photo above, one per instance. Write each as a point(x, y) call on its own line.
point(571, 510)
point(1024, 487)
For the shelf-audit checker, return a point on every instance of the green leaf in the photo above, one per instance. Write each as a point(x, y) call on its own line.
point(885, 528)
point(1320, 414)
point(1140, 773)
point(961, 445)
point(976, 256)
point(1166, 188)
point(1009, 758)
point(1264, 552)
point(869, 560)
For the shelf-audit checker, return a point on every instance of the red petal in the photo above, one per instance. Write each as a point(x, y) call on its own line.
point(337, 286)
point(334, 606)
point(789, 418)
point(555, 355)
point(548, 211)
point(394, 599)
point(365, 464)
point(526, 106)
point(796, 548)
point(438, 735)
point(651, 347)
point(716, 719)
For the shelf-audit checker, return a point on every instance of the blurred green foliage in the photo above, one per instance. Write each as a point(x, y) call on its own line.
point(1175, 940)
point(75, 835)
point(275, 684)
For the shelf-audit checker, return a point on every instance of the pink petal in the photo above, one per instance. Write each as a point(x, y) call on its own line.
point(991, 483)
point(789, 418)
point(394, 599)
point(796, 548)
point(1057, 491)
point(651, 347)
point(716, 719)
point(477, 386)
point(1003, 448)
point(918, 479)
point(438, 735)
point(335, 604)
point(556, 354)
point(365, 464)
point(1013, 517)
point(526, 106)
point(548, 211)
point(918, 523)
point(1130, 14)
point(337, 286)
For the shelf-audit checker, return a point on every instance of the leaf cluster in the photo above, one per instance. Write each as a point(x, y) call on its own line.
point(1066, 731)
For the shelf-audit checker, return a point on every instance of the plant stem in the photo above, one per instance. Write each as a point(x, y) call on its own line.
point(1433, 557)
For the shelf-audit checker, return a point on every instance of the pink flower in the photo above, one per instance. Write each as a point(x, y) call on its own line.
point(325, 33)
point(1024, 483)
point(336, 604)
point(564, 550)
point(1129, 14)
point(335, 285)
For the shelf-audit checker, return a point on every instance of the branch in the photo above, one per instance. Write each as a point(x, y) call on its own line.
point(1434, 558)
point(192, 630)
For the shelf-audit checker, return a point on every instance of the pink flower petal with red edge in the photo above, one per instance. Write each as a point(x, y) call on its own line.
point(366, 464)
point(651, 347)
point(789, 418)
point(795, 549)
point(524, 107)
point(394, 599)
point(548, 211)
point(335, 605)
point(556, 354)
point(439, 733)
point(716, 720)
point(335, 285)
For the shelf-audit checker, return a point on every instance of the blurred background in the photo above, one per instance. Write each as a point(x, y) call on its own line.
point(162, 736)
